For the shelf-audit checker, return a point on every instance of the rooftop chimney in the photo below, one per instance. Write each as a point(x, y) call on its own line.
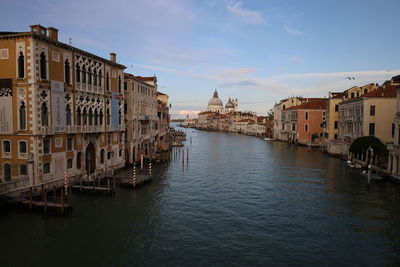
point(38, 29)
point(113, 57)
point(53, 33)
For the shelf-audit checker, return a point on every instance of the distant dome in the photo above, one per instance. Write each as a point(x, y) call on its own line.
point(215, 104)
point(229, 104)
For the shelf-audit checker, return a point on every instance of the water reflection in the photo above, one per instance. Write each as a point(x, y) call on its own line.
point(238, 201)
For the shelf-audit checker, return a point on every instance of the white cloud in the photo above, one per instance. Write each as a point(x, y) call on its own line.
point(293, 31)
point(247, 15)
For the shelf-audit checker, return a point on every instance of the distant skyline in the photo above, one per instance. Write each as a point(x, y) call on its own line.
point(256, 51)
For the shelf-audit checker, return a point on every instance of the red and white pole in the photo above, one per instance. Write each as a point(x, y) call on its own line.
point(66, 183)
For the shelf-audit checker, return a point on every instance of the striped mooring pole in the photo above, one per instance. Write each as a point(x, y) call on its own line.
point(150, 169)
point(134, 175)
point(66, 183)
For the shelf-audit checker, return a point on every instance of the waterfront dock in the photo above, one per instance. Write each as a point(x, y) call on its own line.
point(131, 182)
point(96, 187)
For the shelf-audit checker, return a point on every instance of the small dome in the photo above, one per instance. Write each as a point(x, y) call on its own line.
point(229, 104)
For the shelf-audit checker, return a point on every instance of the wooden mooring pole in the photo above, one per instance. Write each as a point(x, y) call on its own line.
point(45, 202)
point(30, 198)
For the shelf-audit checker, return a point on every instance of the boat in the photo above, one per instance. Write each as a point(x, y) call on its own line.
point(269, 139)
point(353, 166)
point(373, 177)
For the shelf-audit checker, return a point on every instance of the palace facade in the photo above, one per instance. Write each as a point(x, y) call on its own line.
point(63, 110)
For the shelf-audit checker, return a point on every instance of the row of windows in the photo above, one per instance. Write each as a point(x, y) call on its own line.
point(88, 76)
point(22, 170)
point(22, 148)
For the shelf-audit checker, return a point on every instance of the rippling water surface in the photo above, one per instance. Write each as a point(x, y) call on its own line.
point(239, 201)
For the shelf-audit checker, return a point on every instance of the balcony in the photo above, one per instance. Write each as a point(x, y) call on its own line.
point(47, 130)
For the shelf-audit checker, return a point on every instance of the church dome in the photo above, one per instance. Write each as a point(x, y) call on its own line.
point(229, 104)
point(215, 103)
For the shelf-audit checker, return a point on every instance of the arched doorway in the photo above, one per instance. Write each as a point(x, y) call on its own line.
point(7, 172)
point(90, 158)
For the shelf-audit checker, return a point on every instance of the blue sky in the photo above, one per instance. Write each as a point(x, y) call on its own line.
point(259, 51)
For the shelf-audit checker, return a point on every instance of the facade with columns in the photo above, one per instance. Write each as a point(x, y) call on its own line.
point(61, 109)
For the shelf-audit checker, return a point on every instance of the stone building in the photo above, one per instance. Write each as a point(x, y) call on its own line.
point(163, 140)
point(61, 109)
point(141, 117)
point(394, 148)
point(304, 124)
point(369, 113)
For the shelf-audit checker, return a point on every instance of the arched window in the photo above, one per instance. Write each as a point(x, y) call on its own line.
point(96, 117)
point(119, 84)
point(89, 76)
point(100, 78)
point(101, 117)
point(84, 115)
point(78, 73)
point(22, 116)
point(68, 115)
point(67, 72)
point(7, 172)
point(44, 113)
point(78, 116)
point(83, 74)
point(108, 117)
point(43, 68)
point(21, 65)
point(95, 78)
point(108, 82)
point(119, 117)
point(90, 116)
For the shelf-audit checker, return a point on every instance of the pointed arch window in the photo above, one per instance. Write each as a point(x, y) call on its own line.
point(67, 72)
point(95, 78)
point(100, 78)
point(89, 76)
point(83, 74)
point(108, 82)
point(78, 116)
point(90, 116)
point(78, 73)
point(84, 115)
point(96, 117)
point(101, 117)
point(21, 65)
point(68, 115)
point(44, 112)
point(43, 66)
point(108, 117)
point(22, 116)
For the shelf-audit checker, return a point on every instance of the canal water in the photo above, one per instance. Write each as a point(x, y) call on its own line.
point(239, 201)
